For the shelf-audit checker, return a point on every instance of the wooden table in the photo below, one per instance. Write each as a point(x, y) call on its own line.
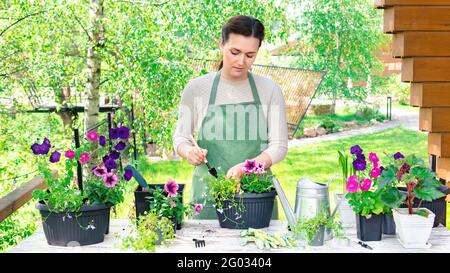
point(219, 240)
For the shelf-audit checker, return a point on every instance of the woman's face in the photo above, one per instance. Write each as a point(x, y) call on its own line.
point(239, 53)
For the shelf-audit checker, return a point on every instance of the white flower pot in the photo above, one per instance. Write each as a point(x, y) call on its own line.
point(346, 213)
point(413, 230)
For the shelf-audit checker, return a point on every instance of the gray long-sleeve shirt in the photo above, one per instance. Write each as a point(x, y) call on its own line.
point(194, 105)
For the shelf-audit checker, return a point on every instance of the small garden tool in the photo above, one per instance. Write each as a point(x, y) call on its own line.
point(199, 243)
point(211, 171)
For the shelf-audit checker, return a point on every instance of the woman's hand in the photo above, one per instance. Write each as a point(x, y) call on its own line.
point(195, 156)
point(236, 171)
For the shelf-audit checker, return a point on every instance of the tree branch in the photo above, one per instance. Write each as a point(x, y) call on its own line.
point(18, 21)
point(81, 25)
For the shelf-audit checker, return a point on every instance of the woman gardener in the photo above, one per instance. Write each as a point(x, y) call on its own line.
point(237, 115)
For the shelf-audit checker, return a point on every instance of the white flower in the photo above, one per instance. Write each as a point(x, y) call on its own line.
point(220, 211)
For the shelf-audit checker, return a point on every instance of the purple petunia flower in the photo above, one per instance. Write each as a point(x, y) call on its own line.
point(128, 174)
point(114, 155)
point(110, 180)
point(360, 164)
point(100, 171)
point(398, 155)
point(356, 150)
point(110, 164)
point(36, 148)
point(55, 156)
point(249, 166)
point(120, 146)
point(171, 187)
point(104, 158)
point(102, 141)
point(198, 208)
point(123, 132)
point(113, 133)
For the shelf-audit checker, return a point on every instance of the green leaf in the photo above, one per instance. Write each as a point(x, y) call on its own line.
point(388, 177)
point(392, 197)
point(428, 193)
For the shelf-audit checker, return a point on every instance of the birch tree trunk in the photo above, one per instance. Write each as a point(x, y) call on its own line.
point(96, 43)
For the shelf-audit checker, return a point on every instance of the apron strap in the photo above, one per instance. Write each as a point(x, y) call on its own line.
point(212, 97)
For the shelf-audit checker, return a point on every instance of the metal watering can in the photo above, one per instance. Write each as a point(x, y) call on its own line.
point(312, 198)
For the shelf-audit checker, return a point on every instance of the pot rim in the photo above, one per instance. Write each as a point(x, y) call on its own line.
point(84, 208)
point(397, 210)
point(253, 195)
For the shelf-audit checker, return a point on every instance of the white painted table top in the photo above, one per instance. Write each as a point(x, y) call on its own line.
point(220, 240)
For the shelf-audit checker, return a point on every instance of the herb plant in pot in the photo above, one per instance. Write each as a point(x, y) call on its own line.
point(167, 202)
point(364, 197)
point(413, 224)
point(72, 216)
point(247, 203)
point(148, 231)
point(312, 230)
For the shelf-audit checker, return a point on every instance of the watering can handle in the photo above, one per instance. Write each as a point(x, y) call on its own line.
point(339, 202)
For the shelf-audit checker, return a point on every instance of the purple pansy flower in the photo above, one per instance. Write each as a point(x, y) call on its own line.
point(171, 187)
point(55, 156)
point(128, 174)
point(120, 146)
point(102, 141)
point(123, 132)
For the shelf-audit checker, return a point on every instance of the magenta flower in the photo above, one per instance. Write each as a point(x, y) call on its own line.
point(92, 136)
point(171, 187)
point(375, 172)
point(100, 171)
point(110, 180)
point(374, 158)
point(198, 208)
point(366, 184)
point(352, 184)
point(70, 154)
point(249, 166)
point(84, 157)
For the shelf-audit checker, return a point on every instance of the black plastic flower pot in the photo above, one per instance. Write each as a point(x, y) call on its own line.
point(438, 206)
point(388, 227)
point(369, 229)
point(142, 204)
point(257, 211)
point(86, 227)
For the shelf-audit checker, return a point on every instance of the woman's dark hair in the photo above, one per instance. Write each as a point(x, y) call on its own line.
point(243, 25)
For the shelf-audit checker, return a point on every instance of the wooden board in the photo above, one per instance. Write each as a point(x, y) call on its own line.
point(439, 144)
point(220, 240)
point(427, 69)
point(390, 3)
point(434, 120)
point(430, 94)
point(422, 44)
point(17, 198)
point(416, 18)
point(443, 168)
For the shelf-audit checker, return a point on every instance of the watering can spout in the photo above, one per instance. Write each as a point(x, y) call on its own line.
point(284, 203)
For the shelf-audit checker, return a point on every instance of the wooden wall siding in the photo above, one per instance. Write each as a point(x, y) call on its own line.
point(435, 120)
point(428, 94)
point(426, 69)
point(390, 3)
point(416, 18)
point(443, 168)
point(439, 144)
point(423, 44)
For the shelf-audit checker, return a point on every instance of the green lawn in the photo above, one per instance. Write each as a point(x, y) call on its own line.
point(316, 161)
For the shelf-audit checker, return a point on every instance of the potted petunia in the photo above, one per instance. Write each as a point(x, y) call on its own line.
point(72, 216)
point(167, 202)
point(413, 222)
point(244, 203)
point(364, 197)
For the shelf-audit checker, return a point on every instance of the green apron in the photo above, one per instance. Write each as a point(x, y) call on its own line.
point(228, 142)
